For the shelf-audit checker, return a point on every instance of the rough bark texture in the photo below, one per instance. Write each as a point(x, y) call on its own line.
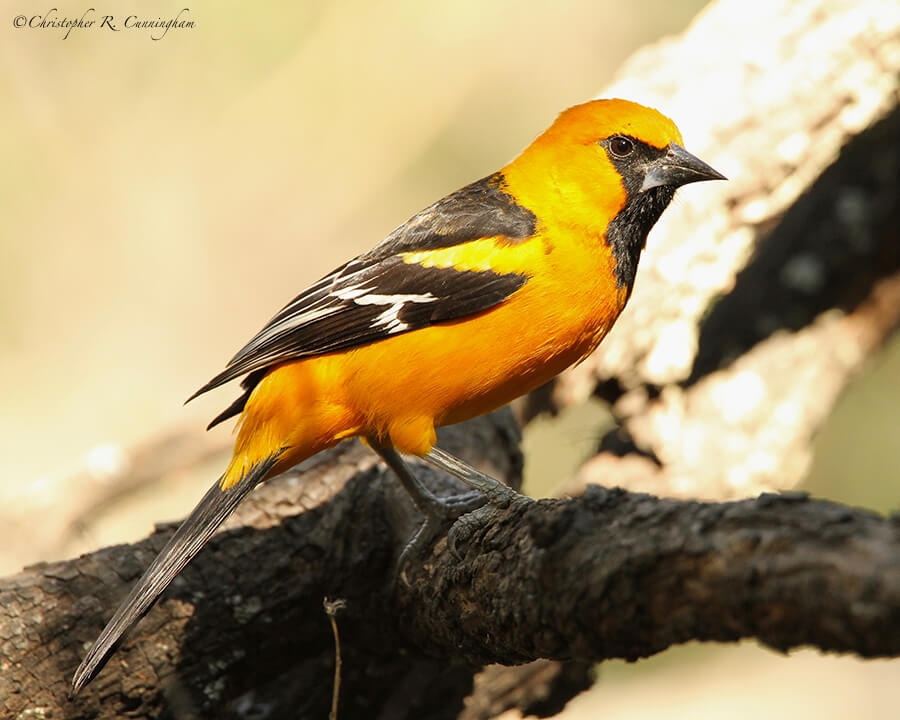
point(755, 305)
point(243, 634)
point(782, 568)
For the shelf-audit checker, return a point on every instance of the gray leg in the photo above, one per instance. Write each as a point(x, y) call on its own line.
point(427, 502)
point(423, 498)
point(494, 491)
point(469, 511)
point(437, 511)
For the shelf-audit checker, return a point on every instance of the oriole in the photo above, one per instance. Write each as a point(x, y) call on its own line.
point(481, 297)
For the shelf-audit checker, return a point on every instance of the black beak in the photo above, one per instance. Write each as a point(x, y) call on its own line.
point(678, 167)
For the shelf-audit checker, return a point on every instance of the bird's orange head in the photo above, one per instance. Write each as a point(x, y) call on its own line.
point(585, 124)
point(607, 169)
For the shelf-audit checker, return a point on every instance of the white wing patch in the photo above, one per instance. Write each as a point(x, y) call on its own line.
point(389, 319)
point(394, 299)
point(292, 321)
point(352, 292)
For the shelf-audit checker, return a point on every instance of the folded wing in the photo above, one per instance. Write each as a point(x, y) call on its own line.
point(382, 293)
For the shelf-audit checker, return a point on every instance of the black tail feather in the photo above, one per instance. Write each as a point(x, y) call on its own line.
point(236, 408)
point(187, 541)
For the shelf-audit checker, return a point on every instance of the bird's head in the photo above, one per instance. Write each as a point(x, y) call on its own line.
point(606, 169)
point(600, 155)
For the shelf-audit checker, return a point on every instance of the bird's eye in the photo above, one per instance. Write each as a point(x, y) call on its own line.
point(621, 146)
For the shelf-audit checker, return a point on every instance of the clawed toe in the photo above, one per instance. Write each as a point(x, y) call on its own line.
point(472, 522)
point(439, 513)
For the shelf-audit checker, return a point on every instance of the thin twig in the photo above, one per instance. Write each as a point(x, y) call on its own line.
point(331, 609)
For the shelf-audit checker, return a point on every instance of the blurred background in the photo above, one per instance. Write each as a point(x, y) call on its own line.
point(162, 198)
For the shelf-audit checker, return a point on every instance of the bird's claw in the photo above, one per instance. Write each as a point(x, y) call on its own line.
point(439, 512)
point(466, 525)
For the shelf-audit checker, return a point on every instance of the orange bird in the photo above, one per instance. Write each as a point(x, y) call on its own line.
point(481, 297)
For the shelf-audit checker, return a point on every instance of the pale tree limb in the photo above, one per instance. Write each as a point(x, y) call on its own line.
point(769, 93)
point(748, 321)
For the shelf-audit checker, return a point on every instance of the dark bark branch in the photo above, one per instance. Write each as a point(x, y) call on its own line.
point(243, 627)
point(609, 574)
point(623, 575)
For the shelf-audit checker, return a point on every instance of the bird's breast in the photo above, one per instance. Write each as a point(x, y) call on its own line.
point(474, 365)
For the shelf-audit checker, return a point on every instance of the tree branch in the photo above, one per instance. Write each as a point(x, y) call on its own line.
point(609, 574)
point(784, 569)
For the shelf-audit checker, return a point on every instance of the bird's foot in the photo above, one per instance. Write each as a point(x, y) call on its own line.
point(464, 514)
point(439, 512)
point(495, 500)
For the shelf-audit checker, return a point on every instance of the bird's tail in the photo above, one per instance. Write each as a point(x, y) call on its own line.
point(187, 541)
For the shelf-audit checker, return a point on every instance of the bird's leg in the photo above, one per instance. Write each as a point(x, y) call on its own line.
point(429, 504)
point(437, 511)
point(494, 492)
point(469, 511)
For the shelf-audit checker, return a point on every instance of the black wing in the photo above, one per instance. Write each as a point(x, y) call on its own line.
point(378, 294)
